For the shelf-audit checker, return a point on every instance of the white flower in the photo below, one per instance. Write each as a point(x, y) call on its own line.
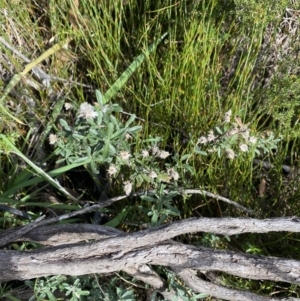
point(124, 155)
point(173, 174)
point(246, 134)
point(211, 136)
point(202, 140)
point(232, 132)
point(127, 137)
point(229, 153)
point(30, 103)
point(53, 139)
point(164, 154)
point(155, 150)
point(112, 170)
point(127, 187)
point(68, 106)
point(244, 147)
point(152, 174)
point(145, 153)
point(252, 139)
point(86, 111)
point(227, 116)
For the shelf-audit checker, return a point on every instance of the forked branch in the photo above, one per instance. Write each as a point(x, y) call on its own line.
point(112, 250)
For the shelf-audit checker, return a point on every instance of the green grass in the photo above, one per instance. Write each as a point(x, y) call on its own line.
point(208, 63)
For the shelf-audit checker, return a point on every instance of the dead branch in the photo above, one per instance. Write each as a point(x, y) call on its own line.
point(143, 243)
point(83, 259)
point(219, 198)
point(4, 240)
point(117, 251)
point(198, 285)
point(56, 235)
point(72, 233)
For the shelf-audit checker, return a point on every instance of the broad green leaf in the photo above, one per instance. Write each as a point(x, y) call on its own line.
point(148, 198)
point(172, 212)
point(50, 296)
point(171, 195)
point(185, 157)
point(162, 219)
point(118, 134)
point(110, 130)
point(134, 129)
point(100, 98)
point(114, 120)
point(65, 125)
point(118, 219)
point(130, 120)
point(84, 293)
point(76, 282)
point(218, 130)
point(154, 218)
point(93, 131)
point(94, 167)
point(88, 151)
point(189, 168)
point(77, 136)
point(116, 108)
point(200, 152)
point(127, 294)
point(105, 152)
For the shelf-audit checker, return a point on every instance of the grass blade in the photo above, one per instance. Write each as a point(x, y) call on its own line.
point(38, 170)
point(119, 83)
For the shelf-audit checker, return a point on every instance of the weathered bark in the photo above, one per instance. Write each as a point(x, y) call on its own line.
point(201, 286)
point(68, 233)
point(80, 259)
point(6, 238)
point(112, 250)
point(64, 234)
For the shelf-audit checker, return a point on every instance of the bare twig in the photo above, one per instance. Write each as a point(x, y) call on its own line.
point(219, 198)
point(7, 238)
point(15, 211)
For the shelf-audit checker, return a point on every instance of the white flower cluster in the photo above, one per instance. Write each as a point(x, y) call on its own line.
point(124, 157)
point(221, 139)
point(157, 152)
point(173, 174)
point(53, 138)
point(127, 186)
point(87, 111)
